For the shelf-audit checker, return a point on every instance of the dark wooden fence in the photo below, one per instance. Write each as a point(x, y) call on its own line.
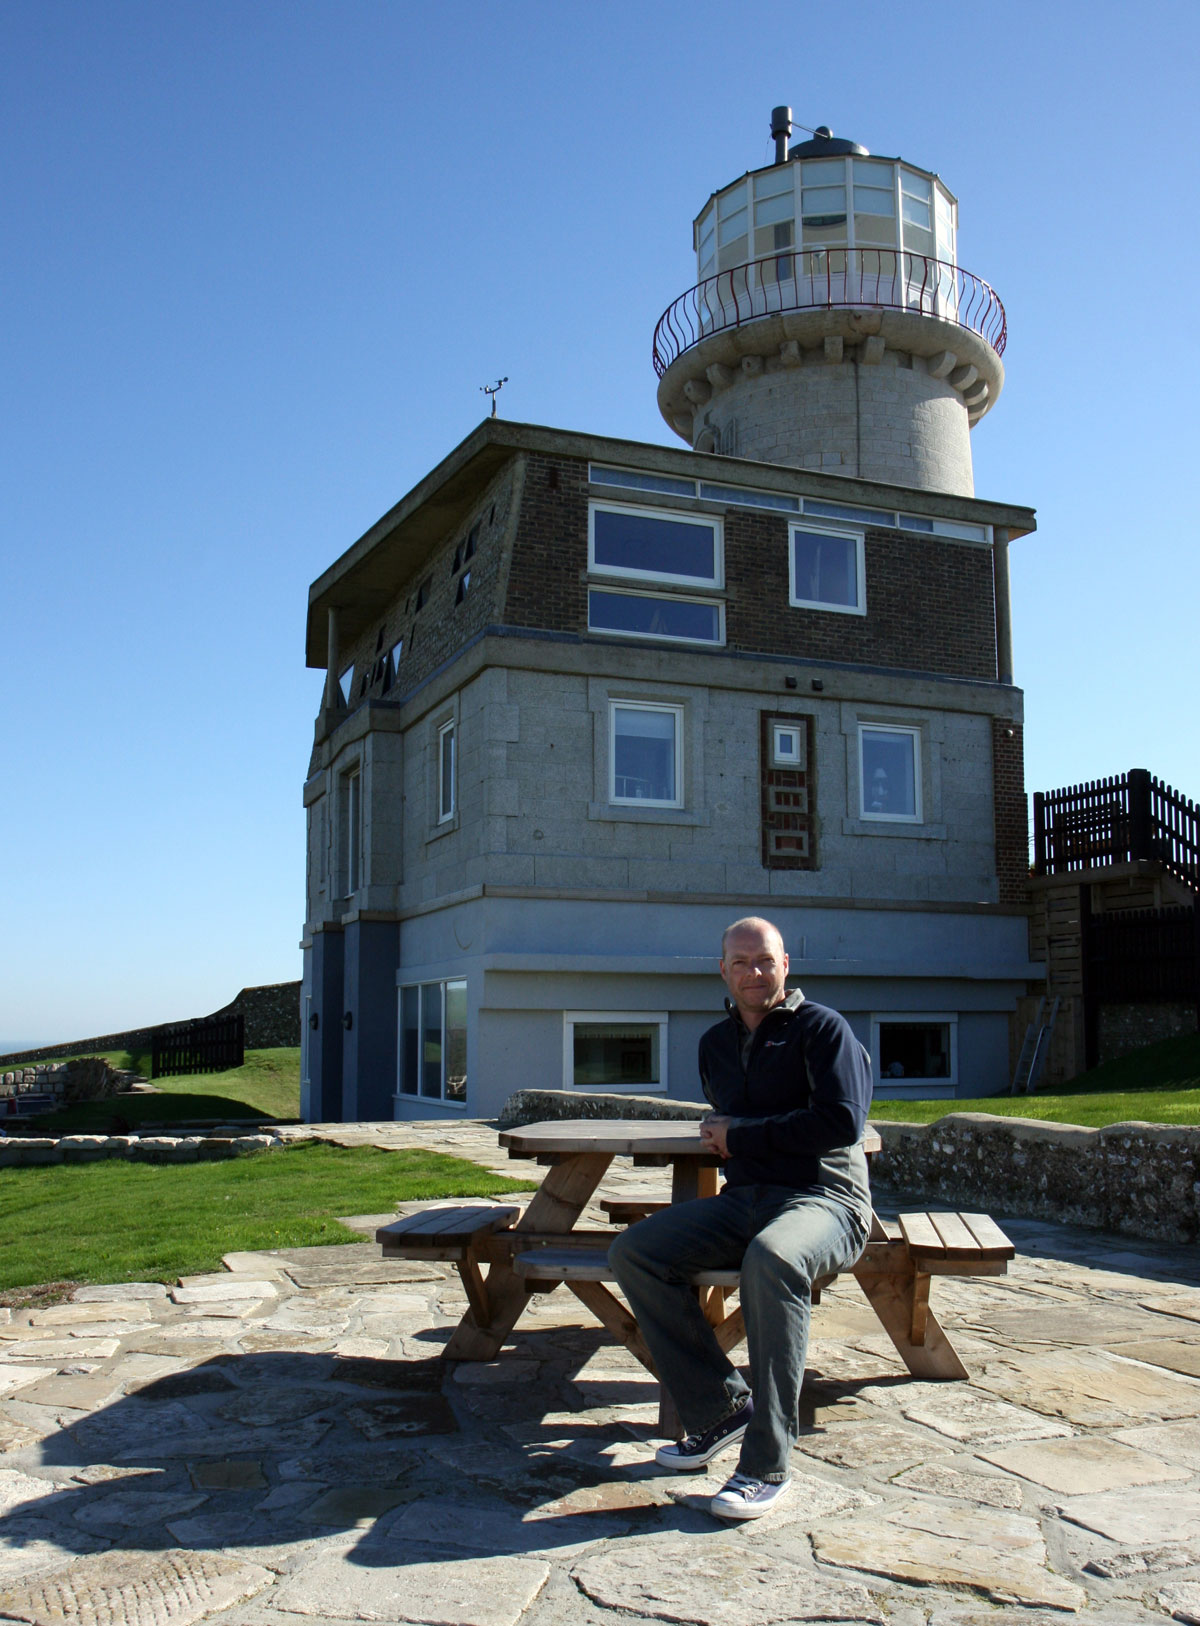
point(1142, 954)
point(1115, 821)
point(1137, 957)
point(208, 1046)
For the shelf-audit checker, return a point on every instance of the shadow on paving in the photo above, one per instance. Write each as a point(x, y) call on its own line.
point(259, 1451)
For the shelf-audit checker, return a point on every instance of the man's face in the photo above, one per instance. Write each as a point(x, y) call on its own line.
point(754, 969)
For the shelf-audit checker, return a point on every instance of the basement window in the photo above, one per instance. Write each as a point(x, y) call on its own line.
point(615, 1050)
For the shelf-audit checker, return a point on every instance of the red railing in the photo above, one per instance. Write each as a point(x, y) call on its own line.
point(879, 279)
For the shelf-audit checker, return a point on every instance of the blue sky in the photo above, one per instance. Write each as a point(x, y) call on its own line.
point(260, 258)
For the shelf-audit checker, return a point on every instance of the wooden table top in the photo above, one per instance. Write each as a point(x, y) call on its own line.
point(663, 1137)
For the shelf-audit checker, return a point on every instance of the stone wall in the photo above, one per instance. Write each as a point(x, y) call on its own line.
point(272, 1014)
point(539, 1106)
point(1128, 1027)
point(1140, 1179)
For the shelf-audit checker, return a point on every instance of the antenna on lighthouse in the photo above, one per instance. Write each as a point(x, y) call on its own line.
point(493, 390)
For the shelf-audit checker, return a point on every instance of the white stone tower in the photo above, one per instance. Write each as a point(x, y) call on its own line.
point(831, 326)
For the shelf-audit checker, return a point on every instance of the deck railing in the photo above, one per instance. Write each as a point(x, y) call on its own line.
point(1116, 821)
point(829, 279)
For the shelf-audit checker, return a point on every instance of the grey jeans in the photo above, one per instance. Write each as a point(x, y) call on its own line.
point(783, 1241)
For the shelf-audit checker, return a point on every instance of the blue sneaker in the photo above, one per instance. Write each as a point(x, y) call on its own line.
point(744, 1498)
point(698, 1449)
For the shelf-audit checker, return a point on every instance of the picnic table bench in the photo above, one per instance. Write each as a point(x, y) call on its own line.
point(538, 1249)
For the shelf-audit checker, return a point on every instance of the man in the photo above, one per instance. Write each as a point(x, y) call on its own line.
point(790, 1085)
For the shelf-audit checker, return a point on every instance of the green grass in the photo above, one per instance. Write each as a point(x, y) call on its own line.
point(1158, 1084)
point(266, 1086)
point(118, 1221)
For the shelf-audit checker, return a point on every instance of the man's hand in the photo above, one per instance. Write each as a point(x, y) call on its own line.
point(713, 1133)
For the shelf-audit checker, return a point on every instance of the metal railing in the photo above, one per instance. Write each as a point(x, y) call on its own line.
point(1113, 821)
point(829, 279)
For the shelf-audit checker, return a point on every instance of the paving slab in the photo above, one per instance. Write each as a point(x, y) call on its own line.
point(1177, 1355)
point(15, 1376)
point(134, 1589)
point(225, 1475)
point(1151, 1518)
point(999, 1554)
point(1084, 1465)
point(349, 1585)
point(1183, 1601)
point(121, 1512)
point(1090, 1388)
point(1144, 1560)
point(718, 1584)
point(116, 1292)
point(966, 1483)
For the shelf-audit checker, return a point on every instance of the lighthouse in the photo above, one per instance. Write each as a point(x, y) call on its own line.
point(831, 326)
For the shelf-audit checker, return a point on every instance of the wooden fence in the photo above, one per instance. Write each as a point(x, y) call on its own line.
point(1115, 821)
point(207, 1046)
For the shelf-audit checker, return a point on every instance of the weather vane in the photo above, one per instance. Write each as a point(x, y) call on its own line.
point(493, 390)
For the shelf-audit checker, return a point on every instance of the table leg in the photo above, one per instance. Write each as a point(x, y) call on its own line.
point(556, 1205)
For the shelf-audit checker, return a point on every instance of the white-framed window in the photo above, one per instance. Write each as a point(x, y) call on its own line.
point(645, 753)
point(889, 773)
point(615, 1050)
point(827, 569)
point(433, 1040)
point(675, 618)
point(446, 771)
point(350, 830)
point(655, 544)
point(788, 746)
point(915, 1050)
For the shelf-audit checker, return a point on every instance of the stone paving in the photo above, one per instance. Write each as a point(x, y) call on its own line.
point(279, 1440)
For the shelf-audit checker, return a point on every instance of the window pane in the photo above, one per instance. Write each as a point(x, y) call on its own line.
point(826, 568)
point(638, 480)
point(612, 1053)
point(431, 1038)
point(456, 1041)
point(917, 212)
point(919, 186)
point(869, 201)
point(837, 510)
point(774, 181)
point(734, 253)
point(876, 229)
point(889, 784)
point(914, 1050)
point(823, 200)
point(770, 209)
point(868, 172)
point(643, 754)
point(730, 202)
point(818, 170)
point(660, 547)
point(410, 1040)
point(654, 617)
point(446, 774)
point(733, 226)
point(745, 496)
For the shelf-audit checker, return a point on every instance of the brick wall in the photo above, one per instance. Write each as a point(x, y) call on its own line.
point(929, 601)
point(545, 585)
point(432, 633)
point(1010, 810)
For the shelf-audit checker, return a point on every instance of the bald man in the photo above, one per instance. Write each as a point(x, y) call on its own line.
point(790, 1086)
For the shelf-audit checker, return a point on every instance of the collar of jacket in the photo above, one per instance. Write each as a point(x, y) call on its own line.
point(791, 1001)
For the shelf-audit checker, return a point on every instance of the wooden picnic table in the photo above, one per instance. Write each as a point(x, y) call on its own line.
point(536, 1250)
